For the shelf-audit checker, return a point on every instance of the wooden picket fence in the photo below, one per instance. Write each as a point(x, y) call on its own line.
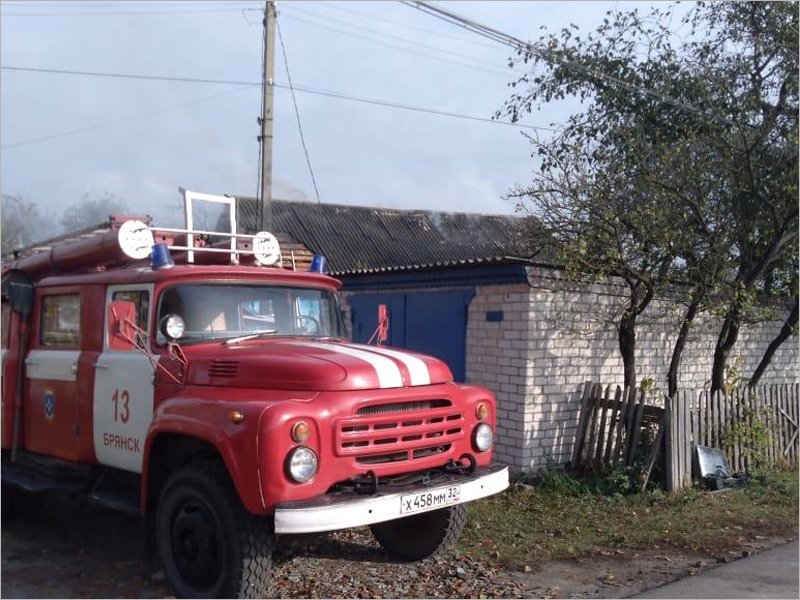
point(612, 425)
point(751, 425)
point(618, 427)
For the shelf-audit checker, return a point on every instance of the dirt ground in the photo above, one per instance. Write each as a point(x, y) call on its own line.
point(76, 551)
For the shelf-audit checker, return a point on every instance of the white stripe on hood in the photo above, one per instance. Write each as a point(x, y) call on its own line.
point(417, 368)
point(389, 375)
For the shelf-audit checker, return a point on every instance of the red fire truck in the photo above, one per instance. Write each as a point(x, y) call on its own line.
point(212, 390)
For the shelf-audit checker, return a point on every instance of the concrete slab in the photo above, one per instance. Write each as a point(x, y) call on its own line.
point(770, 574)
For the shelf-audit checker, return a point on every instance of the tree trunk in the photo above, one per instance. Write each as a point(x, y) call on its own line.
point(787, 329)
point(725, 342)
point(627, 347)
point(680, 344)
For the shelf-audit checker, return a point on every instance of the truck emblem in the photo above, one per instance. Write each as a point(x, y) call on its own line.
point(49, 402)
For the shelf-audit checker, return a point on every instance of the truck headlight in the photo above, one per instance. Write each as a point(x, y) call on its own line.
point(302, 464)
point(482, 437)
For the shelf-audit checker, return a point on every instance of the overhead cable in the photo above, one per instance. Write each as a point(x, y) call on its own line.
point(151, 113)
point(520, 45)
point(305, 89)
point(396, 47)
point(406, 40)
point(297, 113)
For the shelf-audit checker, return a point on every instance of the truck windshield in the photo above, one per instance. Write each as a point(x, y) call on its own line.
point(224, 311)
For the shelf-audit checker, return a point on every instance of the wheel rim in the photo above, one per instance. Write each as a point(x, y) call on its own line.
point(196, 540)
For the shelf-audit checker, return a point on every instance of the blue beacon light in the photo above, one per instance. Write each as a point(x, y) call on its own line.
point(160, 258)
point(317, 264)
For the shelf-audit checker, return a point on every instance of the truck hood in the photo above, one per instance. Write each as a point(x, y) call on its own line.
point(311, 365)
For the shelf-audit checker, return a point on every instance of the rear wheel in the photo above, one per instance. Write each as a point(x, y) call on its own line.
point(209, 545)
point(19, 503)
point(421, 536)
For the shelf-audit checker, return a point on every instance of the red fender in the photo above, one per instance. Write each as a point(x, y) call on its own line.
point(210, 421)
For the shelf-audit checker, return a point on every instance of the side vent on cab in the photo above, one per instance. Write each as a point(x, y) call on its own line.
point(223, 368)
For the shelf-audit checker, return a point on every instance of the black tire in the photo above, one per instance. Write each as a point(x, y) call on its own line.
point(7, 501)
point(208, 544)
point(19, 503)
point(420, 536)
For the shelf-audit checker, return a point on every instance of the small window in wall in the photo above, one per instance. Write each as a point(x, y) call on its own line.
point(61, 320)
point(141, 298)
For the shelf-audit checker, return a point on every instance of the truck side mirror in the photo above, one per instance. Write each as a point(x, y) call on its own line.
point(20, 295)
point(121, 331)
point(383, 323)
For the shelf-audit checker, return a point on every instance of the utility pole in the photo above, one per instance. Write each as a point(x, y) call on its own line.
point(266, 120)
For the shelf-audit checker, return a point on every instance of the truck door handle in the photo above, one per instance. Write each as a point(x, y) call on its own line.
point(74, 368)
point(101, 366)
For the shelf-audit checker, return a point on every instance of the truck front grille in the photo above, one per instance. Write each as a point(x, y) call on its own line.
point(402, 431)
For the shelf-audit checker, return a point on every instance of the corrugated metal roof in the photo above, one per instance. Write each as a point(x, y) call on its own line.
point(359, 239)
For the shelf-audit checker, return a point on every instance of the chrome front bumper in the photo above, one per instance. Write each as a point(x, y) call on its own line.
point(344, 510)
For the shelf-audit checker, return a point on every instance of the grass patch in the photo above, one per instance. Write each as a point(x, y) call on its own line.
point(563, 517)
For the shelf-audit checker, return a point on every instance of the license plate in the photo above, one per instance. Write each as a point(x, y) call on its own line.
point(435, 498)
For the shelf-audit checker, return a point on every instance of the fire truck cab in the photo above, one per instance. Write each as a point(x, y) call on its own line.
point(214, 392)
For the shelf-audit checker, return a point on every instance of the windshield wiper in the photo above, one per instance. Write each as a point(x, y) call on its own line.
point(250, 336)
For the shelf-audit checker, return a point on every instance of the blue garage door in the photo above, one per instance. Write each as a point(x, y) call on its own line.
point(431, 322)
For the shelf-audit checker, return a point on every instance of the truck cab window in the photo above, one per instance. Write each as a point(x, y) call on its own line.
point(61, 320)
point(219, 311)
point(141, 298)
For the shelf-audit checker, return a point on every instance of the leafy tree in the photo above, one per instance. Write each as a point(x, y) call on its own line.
point(91, 210)
point(22, 223)
point(681, 172)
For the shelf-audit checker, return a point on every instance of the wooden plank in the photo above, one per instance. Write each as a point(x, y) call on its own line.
point(707, 428)
point(782, 424)
point(733, 418)
point(751, 420)
point(794, 391)
point(635, 431)
point(582, 421)
point(791, 419)
point(680, 439)
point(776, 422)
point(687, 442)
point(669, 463)
point(710, 419)
point(651, 458)
point(718, 421)
point(695, 420)
point(787, 426)
point(591, 439)
point(773, 430)
point(727, 418)
point(601, 432)
point(795, 412)
point(612, 426)
point(622, 427)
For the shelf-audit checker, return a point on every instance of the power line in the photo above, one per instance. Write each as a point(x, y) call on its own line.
point(392, 36)
point(394, 46)
point(123, 120)
point(406, 25)
point(122, 13)
point(297, 114)
point(518, 44)
point(305, 89)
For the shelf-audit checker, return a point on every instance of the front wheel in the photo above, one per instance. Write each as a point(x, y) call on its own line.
point(420, 536)
point(209, 545)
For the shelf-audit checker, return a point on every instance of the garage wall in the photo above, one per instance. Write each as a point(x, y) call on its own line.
point(554, 334)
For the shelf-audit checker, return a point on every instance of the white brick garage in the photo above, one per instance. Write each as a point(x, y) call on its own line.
point(556, 334)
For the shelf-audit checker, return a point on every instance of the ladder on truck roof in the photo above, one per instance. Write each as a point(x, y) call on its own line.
point(126, 239)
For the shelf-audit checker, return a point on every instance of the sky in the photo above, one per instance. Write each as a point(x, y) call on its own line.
point(65, 136)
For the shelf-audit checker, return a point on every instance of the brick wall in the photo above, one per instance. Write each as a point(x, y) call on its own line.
point(557, 333)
